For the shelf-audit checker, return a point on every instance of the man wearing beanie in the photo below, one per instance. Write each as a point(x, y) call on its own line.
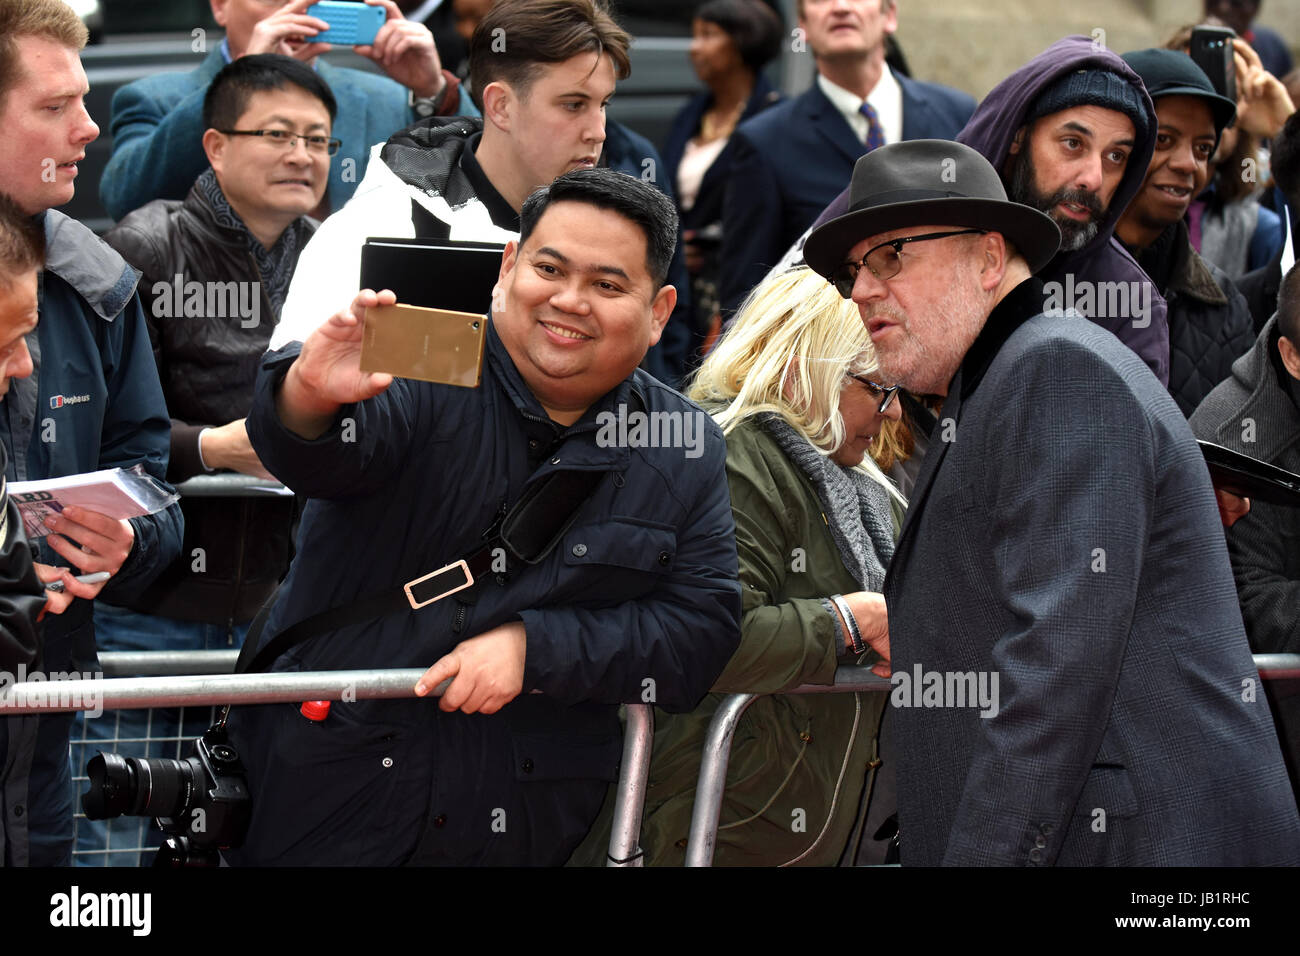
point(1071, 133)
point(1209, 320)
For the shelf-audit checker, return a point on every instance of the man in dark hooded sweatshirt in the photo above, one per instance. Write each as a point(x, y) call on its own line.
point(1046, 119)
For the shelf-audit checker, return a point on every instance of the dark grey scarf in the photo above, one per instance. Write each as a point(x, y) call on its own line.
point(857, 507)
point(275, 265)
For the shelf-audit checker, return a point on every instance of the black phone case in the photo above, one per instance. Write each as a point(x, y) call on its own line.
point(1249, 477)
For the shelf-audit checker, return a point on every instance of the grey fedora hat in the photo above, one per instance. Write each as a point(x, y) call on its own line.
point(929, 182)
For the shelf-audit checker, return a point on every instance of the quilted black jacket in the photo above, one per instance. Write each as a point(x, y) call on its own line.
point(1209, 320)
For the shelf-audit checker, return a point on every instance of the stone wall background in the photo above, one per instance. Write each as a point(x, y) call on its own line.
point(973, 44)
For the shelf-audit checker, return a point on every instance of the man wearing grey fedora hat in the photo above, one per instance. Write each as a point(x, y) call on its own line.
point(1062, 553)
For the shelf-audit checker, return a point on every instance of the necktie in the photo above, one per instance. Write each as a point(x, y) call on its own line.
point(875, 134)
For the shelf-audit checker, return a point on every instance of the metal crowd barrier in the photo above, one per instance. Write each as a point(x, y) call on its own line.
point(232, 485)
point(202, 678)
point(703, 836)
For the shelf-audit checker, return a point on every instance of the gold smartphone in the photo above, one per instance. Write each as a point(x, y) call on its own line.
point(433, 345)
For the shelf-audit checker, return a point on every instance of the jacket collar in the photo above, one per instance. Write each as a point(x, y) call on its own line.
point(829, 123)
point(427, 156)
point(1016, 308)
point(88, 264)
point(918, 112)
point(197, 205)
point(1270, 396)
point(502, 213)
point(1191, 274)
point(1188, 273)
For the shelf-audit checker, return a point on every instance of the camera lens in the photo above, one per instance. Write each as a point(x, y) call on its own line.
point(137, 786)
point(111, 786)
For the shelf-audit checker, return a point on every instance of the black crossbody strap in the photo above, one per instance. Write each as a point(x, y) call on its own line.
point(529, 532)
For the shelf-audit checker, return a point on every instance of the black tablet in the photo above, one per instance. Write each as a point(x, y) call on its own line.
point(450, 274)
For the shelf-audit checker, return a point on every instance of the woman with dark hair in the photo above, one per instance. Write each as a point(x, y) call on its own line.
point(731, 42)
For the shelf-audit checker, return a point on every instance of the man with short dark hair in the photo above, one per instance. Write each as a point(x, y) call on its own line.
point(93, 403)
point(791, 160)
point(215, 271)
point(1067, 517)
point(1209, 321)
point(543, 95)
point(157, 120)
point(632, 596)
point(1256, 411)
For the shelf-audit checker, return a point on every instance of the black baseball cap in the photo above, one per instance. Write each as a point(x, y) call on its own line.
point(1170, 73)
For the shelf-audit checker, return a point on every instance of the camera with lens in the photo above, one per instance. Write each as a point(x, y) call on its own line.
point(201, 802)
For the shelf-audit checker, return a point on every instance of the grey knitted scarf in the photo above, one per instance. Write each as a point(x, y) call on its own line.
point(857, 508)
point(275, 265)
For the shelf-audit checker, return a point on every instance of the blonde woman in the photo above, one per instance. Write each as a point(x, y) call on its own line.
point(791, 385)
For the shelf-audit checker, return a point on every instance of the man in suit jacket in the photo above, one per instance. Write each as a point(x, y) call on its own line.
point(157, 121)
point(790, 161)
point(1072, 679)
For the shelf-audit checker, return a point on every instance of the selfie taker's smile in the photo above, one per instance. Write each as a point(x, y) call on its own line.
point(563, 333)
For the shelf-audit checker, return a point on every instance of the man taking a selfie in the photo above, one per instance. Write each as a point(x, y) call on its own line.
point(627, 591)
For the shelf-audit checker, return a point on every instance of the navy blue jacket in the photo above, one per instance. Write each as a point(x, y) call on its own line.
point(94, 341)
point(639, 599)
point(629, 152)
point(791, 160)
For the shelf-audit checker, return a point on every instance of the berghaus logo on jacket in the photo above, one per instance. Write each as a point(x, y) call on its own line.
point(58, 401)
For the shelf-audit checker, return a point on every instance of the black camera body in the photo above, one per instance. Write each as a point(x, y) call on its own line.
point(202, 802)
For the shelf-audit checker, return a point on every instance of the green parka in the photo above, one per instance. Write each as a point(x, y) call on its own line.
point(798, 762)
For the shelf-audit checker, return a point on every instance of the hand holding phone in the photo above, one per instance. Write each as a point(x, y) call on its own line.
point(433, 345)
point(1264, 105)
point(288, 32)
point(1211, 49)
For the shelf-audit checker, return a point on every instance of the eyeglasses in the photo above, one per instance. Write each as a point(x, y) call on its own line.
point(286, 140)
point(884, 260)
point(886, 393)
